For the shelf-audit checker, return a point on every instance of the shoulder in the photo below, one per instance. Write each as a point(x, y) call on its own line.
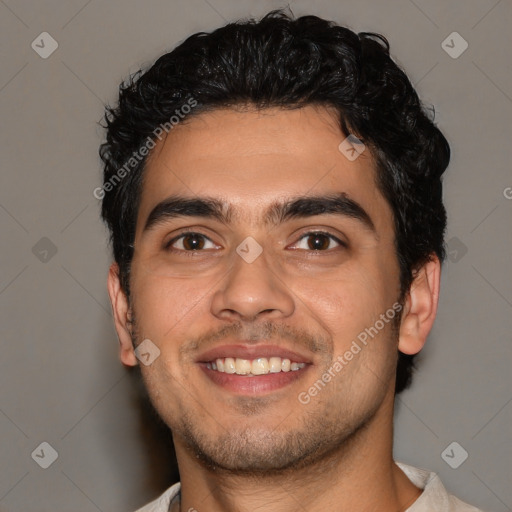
point(460, 506)
point(161, 504)
point(434, 496)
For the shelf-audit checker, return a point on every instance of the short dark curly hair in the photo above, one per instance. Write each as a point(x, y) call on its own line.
point(280, 61)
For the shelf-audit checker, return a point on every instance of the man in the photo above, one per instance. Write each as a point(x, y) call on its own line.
point(273, 191)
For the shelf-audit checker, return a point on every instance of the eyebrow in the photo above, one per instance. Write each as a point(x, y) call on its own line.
point(278, 212)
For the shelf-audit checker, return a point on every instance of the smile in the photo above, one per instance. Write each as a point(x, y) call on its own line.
point(254, 367)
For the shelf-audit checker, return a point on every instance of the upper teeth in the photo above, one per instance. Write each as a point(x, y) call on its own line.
point(258, 366)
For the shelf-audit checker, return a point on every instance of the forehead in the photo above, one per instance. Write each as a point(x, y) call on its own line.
point(250, 159)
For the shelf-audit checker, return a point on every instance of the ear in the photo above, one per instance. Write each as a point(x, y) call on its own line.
point(122, 316)
point(420, 307)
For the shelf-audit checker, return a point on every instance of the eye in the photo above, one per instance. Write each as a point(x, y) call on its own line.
point(190, 241)
point(317, 241)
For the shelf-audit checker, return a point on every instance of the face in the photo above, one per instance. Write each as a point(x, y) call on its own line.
point(288, 264)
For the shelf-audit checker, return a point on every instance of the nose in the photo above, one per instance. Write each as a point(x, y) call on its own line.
point(251, 291)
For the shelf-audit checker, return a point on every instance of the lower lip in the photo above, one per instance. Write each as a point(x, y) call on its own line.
point(256, 385)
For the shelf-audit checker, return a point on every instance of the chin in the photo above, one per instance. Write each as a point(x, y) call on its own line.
point(264, 452)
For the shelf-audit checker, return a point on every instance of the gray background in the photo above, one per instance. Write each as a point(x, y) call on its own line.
point(60, 378)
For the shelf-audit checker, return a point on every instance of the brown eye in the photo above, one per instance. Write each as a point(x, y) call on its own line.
point(193, 242)
point(318, 241)
point(190, 242)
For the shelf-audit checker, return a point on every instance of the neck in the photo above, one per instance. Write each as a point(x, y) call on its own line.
point(359, 476)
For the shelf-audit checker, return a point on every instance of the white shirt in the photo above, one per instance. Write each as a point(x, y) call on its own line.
point(434, 497)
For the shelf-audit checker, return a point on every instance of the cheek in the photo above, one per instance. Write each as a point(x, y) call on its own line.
point(164, 306)
point(354, 298)
point(347, 309)
point(167, 312)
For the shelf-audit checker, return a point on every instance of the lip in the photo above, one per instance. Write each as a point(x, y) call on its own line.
point(258, 384)
point(244, 351)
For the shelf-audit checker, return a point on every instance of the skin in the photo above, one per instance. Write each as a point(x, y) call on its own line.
point(268, 451)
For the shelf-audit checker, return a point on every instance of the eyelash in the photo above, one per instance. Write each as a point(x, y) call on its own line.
point(324, 233)
point(305, 235)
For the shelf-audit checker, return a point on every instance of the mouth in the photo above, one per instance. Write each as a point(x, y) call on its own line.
point(253, 370)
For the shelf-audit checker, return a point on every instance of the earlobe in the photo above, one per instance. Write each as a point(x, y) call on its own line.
point(122, 316)
point(420, 307)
